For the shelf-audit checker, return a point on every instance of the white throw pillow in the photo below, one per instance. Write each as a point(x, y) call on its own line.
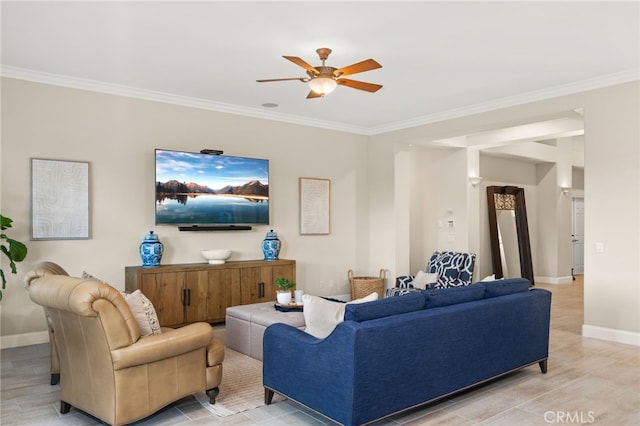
point(144, 313)
point(321, 316)
point(423, 280)
point(491, 278)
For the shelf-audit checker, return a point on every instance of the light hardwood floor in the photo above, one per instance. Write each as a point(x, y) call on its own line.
point(589, 382)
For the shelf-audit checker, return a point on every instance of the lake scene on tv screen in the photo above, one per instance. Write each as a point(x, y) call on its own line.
point(194, 188)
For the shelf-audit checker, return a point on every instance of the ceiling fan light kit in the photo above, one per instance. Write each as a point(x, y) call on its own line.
point(322, 85)
point(323, 79)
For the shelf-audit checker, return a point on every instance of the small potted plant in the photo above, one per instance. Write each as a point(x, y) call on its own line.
point(284, 286)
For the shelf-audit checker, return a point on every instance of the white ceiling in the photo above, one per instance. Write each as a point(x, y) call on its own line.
point(440, 59)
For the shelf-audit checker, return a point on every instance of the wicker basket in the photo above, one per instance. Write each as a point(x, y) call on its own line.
point(364, 286)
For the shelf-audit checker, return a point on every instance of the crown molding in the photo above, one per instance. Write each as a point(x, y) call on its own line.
point(524, 98)
point(150, 95)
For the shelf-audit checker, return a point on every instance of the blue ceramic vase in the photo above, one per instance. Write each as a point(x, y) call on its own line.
point(151, 250)
point(271, 246)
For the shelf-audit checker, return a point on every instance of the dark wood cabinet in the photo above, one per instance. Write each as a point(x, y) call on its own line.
point(186, 293)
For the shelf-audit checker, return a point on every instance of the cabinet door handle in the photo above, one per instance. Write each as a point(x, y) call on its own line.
point(260, 289)
point(184, 297)
point(189, 297)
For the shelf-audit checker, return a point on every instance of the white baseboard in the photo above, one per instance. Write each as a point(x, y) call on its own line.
point(611, 334)
point(554, 280)
point(26, 339)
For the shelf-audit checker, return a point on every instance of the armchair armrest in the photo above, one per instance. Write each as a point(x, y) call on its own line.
point(161, 346)
point(405, 281)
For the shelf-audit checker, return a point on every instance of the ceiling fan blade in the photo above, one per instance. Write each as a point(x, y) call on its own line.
point(302, 79)
point(313, 94)
point(302, 63)
point(366, 65)
point(361, 85)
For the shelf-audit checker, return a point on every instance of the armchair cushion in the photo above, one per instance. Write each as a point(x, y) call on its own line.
point(171, 343)
point(454, 269)
point(399, 291)
point(404, 281)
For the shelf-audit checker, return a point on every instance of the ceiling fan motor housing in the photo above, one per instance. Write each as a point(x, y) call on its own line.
point(323, 72)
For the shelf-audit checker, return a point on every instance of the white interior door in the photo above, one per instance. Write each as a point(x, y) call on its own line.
point(577, 236)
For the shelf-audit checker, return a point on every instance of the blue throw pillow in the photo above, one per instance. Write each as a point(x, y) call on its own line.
point(453, 295)
point(504, 287)
point(386, 307)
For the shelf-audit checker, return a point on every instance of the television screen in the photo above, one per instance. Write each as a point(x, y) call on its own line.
point(194, 188)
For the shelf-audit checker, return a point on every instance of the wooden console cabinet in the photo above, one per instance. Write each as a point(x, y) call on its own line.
point(186, 293)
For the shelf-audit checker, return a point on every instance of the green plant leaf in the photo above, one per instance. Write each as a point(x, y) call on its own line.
point(5, 222)
point(13, 249)
point(17, 250)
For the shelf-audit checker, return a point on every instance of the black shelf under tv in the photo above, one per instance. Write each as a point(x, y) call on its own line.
point(214, 228)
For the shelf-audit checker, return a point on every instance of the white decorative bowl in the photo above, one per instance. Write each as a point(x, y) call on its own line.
point(216, 256)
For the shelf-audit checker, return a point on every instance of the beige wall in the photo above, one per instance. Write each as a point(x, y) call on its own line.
point(611, 145)
point(371, 228)
point(117, 135)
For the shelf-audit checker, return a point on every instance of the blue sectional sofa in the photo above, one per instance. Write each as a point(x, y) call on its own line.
point(400, 352)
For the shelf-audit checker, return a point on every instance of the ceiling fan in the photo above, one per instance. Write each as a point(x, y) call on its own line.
point(323, 79)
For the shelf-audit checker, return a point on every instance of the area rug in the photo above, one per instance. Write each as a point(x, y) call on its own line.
point(241, 387)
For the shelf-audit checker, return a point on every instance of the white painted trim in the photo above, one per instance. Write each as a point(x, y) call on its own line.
point(26, 339)
point(132, 92)
point(168, 98)
point(553, 280)
point(611, 334)
point(521, 99)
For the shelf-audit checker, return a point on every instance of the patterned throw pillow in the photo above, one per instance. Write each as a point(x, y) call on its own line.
point(144, 313)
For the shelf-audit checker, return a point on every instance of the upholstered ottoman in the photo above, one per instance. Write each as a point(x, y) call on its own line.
point(245, 325)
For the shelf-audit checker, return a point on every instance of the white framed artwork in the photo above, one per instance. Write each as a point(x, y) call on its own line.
point(59, 199)
point(315, 206)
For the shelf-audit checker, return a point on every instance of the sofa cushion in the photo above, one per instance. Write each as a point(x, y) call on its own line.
point(321, 316)
point(438, 297)
point(413, 301)
point(503, 287)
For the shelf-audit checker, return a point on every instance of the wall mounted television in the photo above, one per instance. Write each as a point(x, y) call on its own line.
point(201, 189)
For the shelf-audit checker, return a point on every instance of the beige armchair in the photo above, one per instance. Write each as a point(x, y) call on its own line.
point(105, 367)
